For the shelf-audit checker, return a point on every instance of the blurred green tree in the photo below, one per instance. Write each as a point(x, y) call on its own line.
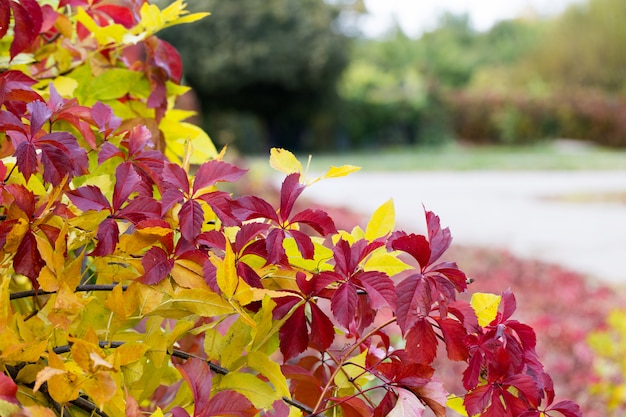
point(585, 48)
point(276, 59)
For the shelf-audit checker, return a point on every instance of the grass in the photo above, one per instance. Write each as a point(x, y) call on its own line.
point(559, 155)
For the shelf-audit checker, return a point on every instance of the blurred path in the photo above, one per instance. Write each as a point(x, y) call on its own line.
point(516, 211)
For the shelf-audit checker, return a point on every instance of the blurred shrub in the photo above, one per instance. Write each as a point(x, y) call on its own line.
point(609, 365)
point(522, 118)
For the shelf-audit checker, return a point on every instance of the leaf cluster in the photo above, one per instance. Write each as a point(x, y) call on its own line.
point(134, 285)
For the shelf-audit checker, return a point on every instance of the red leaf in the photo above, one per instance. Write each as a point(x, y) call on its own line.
point(353, 407)
point(322, 329)
point(454, 338)
point(119, 14)
point(126, 182)
point(27, 19)
point(165, 56)
point(227, 403)
point(414, 301)
point(344, 303)
point(26, 156)
point(477, 400)
point(289, 193)
point(380, 289)
point(8, 388)
point(5, 18)
point(156, 265)
point(253, 207)
point(304, 243)
point(138, 138)
point(27, 260)
point(198, 376)
point(108, 151)
point(509, 305)
point(451, 271)
point(439, 238)
point(421, 342)
point(139, 209)
point(415, 245)
point(23, 198)
point(215, 171)
point(567, 408)
point(319, 220)
point(89, 197)
point(39, 113)
point(274, 245)
point(105, 119)
point(174, 175)
point(293, 334)
point(108, 235)
point(191, 217)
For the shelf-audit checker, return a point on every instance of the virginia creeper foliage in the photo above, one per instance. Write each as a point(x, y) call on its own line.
point(133, 285)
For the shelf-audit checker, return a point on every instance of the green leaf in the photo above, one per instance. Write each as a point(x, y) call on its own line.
point(382, 222)
point(112, 84)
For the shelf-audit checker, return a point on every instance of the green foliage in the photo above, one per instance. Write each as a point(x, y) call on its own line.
point(278, 60)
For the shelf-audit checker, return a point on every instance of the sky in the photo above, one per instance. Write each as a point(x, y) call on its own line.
point(417, 16)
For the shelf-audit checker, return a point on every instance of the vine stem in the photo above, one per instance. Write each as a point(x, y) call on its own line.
point(348, 353)
point(79, 288)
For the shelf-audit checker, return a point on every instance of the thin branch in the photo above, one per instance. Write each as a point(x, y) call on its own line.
point(79, 288)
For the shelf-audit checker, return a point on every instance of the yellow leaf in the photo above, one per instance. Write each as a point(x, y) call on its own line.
point(188, 274)
point(178, 134)
point(383, 261)
point(456, 404)
point(353, 372)
point(116, 302)
point(284, 161)
point(260, 394)
point(200, 301)
point(485, 306)
point(342, 171)
point(321, 256)
point(226, 274)
point(382, 222)
point(100, 388)
point(269, 369)
point(263, 331)
point(15, 236)
point(65, 86)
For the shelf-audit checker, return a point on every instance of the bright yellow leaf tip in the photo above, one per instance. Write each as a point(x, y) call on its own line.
point(485, 306)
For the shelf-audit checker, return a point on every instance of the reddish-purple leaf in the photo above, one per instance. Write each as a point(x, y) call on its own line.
point(344, 303)
point(451, 271)
point(39, 113)
point(139, 209)
point(289, 193)
point(471, 375)
point(8, 388)
point(509, 305)
point(89, 197)
point(126, 182)
point(175, 176)
point(421, 342)
point(226, 403)
point(414, 301)
point(108, 151)
point(167, 57)
point(293, 334)
point(322, 329)
point(5, 18)
point(198, 376)
point(415, 245)
point(274, 245)
point(304, 243)
point(454, 338)
point(567, 408)
point(156, 265)
point(26, 155)
point(190, 217)
point(27, 19)
point(138, 138)
point(252, 207)
point(319, 220)
point(439, 238)
point(23, 198)
point(477, 400)
point(56, 162)
point(380, 289)
point(27, 260)
point(106, 121)
point(108, 235)
point(215, 171)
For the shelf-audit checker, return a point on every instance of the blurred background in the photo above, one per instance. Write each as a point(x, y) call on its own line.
point(344, 75)
point(506, 118)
